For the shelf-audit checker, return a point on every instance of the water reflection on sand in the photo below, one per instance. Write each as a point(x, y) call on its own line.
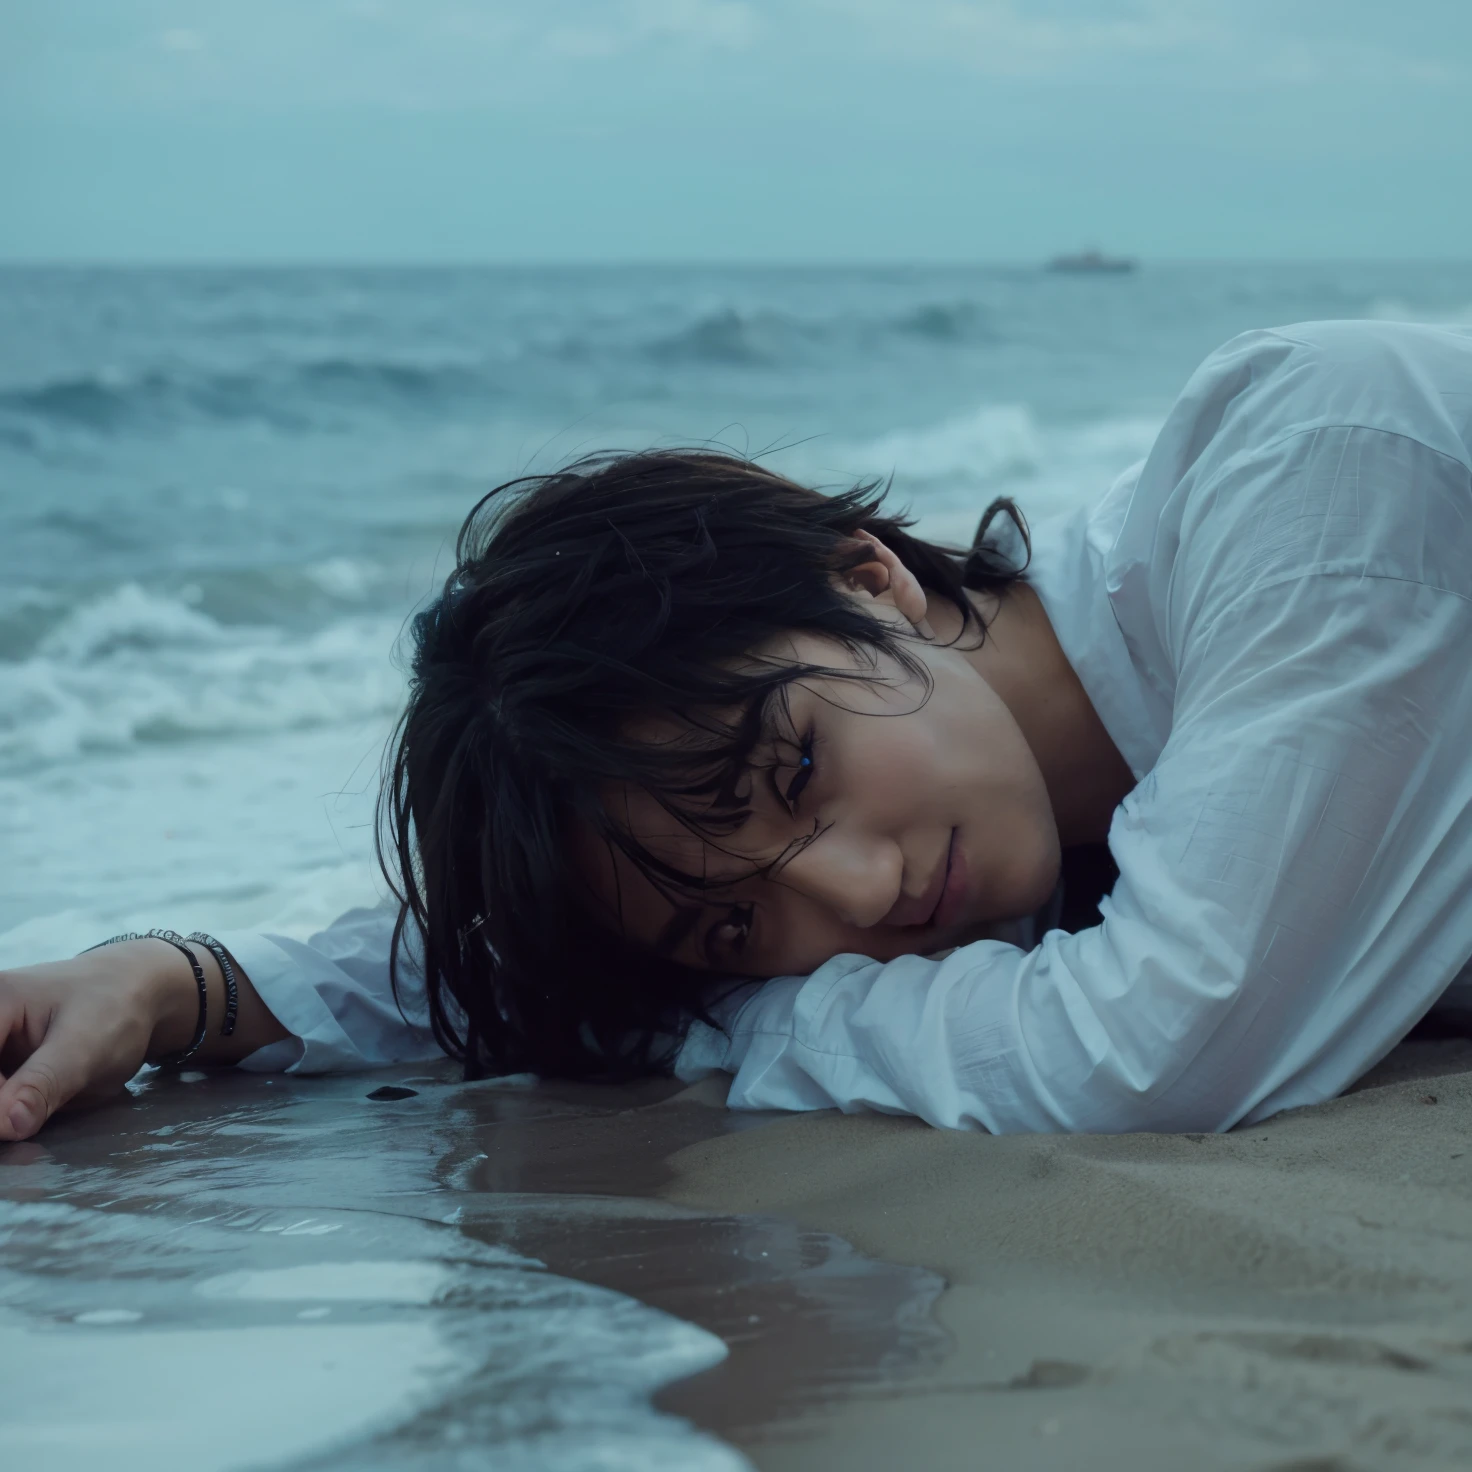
point(254, 1272)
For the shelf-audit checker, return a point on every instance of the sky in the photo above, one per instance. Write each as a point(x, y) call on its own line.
point(733, 130)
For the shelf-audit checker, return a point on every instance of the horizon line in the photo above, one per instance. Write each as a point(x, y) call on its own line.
point(411, 263)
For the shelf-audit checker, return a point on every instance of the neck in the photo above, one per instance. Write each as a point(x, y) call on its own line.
point(1021, 660)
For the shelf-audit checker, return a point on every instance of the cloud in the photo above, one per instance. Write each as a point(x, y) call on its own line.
point(582, 43)
point(725, 24)
point(997, 35)
point(1008, 38)
point(442, 55)
point(1193, 42)
point(631, 27)
point(181, 40)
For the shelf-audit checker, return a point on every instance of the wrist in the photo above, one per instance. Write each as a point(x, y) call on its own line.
point(170, 993)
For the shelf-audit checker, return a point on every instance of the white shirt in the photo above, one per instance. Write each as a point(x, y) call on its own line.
point(1272, 615)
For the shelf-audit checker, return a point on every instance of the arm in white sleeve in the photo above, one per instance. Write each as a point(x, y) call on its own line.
point(332, 993)
point(989, 1038)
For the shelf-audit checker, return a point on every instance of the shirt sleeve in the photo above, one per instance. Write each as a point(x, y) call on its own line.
point(332, 993)
point(1293, 869)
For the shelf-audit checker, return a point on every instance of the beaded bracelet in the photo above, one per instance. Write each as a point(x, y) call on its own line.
point(227, 970)
point(176, 940)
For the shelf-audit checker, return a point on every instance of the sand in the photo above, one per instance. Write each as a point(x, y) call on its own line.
point(1297, 1295)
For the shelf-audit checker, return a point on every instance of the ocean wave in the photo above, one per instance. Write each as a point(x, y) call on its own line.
point(34, 619)
point(733, 338)
point(730, 338)
point(958, 322)
point(948, 471)
point(296, 394)
point(357, 1326)
point(283, 394)
point(992, 442)
point(135, 667)
point(1395, 309)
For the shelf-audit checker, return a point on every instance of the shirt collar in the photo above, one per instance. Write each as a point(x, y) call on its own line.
point(1068, 573)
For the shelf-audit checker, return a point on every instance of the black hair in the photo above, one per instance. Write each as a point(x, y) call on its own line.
point(582, 602)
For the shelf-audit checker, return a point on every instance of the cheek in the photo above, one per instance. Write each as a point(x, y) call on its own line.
point(1020, 869)
point(960, 757)
point(800, 935)
point(904, 768)
point(1013, 839)
point(1002, 804)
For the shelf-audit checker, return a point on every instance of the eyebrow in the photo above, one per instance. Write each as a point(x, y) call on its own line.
point(677, 929)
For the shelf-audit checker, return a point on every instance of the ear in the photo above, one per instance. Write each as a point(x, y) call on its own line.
point(884, 578)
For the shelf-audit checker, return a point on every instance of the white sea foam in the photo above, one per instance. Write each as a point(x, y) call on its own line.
point(140, 1350)
point(948, 471)
point(321, 1385)
point(134, 666)
point(994, 441)
point(345, 578)
point(321, 1282)
point(269, 832)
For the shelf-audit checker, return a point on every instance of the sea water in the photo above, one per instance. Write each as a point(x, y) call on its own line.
point(294, 1276)
point(223, 491)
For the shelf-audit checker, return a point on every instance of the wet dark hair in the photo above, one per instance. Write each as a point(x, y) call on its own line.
point(582, 602)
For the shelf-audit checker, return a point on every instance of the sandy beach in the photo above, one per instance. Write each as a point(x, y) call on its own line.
point(1296, 1295)
point(1293, 1296)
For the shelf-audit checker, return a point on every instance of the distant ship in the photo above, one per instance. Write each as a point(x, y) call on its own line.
point(1094, 262)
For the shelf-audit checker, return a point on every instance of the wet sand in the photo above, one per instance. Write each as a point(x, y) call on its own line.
point(1294, 1297)
point(348, 1273)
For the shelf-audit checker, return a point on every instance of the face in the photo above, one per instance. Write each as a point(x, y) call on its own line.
point(881, 823)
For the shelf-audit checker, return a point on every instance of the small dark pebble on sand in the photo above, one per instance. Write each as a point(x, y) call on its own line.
point(1049, 1375)
point(391, 1091)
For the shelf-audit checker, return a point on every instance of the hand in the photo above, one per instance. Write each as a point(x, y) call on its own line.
point(78, 1030)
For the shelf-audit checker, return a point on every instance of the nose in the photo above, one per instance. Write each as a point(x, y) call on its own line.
point(856, 876)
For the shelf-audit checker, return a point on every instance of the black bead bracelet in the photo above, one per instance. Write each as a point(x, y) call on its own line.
point(227, 970)
point(173, 938)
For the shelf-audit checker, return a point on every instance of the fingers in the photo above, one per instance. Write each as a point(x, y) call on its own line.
point(39, 1087)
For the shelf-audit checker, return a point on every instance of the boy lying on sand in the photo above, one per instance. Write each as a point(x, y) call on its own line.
point(677, 723)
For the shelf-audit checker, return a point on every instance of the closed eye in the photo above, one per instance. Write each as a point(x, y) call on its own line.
point(804, 773)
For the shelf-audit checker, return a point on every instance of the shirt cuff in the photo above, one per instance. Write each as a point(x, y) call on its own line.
point(706, 1050)
point(317, 1043)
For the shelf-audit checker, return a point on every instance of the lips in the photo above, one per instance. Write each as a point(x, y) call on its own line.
point(955, 897)
point(920, 911)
